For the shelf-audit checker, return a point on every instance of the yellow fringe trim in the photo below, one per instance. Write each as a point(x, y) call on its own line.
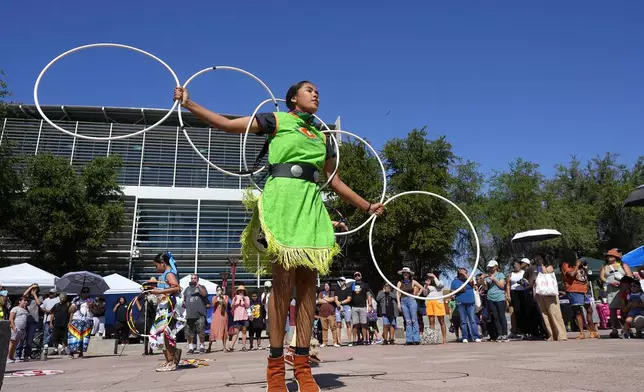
point(318, 259)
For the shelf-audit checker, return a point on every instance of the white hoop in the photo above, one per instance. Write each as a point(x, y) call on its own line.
point(272, 98)
point(384, 181)
point(476, 237)
point(250, 122)
point(100, 45)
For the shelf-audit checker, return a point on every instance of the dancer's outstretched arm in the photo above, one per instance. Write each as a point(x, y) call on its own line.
point(347, 194)
point(236, 125)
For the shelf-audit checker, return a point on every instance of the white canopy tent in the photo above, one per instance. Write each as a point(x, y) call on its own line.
point(121, 285)
point(16, 278)
point(211, 288)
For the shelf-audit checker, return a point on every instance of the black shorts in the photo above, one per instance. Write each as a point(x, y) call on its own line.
point(58, 335)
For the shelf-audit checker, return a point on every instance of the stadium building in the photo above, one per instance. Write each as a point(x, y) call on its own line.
point(174, 200)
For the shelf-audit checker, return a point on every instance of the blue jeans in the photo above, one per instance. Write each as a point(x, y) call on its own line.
point(469, 325)
point(410, 313)
point(28, 341)
point(46, 334)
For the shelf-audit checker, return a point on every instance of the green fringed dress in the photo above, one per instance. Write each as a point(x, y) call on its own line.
point(290, 212)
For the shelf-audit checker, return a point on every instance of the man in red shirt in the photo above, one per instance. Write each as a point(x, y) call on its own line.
point(575, 278)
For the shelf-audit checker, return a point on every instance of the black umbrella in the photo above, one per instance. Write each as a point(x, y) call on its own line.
point(636, 198)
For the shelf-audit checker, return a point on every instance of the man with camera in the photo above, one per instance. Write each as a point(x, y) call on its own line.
point(575, 276)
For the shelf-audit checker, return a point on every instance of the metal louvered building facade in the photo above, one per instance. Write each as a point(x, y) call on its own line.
point(174, 200)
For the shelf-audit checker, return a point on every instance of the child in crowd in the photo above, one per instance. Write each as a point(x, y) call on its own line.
point(634, 305)
point(454, 318)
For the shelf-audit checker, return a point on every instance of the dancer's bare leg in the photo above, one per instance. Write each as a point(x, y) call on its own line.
point(305, 311)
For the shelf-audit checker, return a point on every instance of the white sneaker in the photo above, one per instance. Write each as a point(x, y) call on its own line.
point(464, 340)
point(350, 344)
point(477, 340)
point(10, 361)
point(336, 345)
point(322, 345)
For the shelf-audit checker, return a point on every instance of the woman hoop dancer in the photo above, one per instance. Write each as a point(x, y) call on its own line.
point(298, 232)
point(164, 330)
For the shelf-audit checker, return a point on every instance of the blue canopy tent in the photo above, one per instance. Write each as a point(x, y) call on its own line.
point(634, 258)
point(120, 286)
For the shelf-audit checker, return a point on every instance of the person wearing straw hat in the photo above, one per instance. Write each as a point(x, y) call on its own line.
point(610, 275)
point(240, 306)
point(408, 305)
point(297, 234)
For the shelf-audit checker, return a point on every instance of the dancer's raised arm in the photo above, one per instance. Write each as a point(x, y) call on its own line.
point(237, 125)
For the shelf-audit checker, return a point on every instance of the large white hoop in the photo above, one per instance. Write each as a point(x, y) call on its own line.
point(476, 237)
point(102, 45)
point(185, 134)
point(384, 180)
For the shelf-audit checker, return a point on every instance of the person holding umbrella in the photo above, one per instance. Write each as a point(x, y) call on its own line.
point(81, 324)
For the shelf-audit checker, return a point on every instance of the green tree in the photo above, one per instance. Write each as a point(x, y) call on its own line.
point(416, 231)
point(4, 92)
point(62, 215)
point(515, 204)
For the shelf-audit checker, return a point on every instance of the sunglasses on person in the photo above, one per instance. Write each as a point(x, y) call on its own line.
point(84, 291)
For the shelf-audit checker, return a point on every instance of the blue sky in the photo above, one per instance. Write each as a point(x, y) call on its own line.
point(501, 79)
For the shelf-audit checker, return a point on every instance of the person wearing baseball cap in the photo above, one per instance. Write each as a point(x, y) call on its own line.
point(466, 305)
point(610, 275)
point(494, 284)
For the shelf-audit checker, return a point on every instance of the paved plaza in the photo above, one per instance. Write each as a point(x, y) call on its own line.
point(573, 366)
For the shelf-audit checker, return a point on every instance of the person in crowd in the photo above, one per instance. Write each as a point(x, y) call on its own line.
point(435, 307)
point(18, 322)
point(268, 285)
point(167, 322)
point(575, 277)
point(5, 304)
point(494, 283)
point(610, 275)
point(195, 300)
point(240, 306)
point(372, 320)
point(454, 318)
point(46, 308)
point(359, 308)
point(536, 329)
point(33, 307)
point(326, 315)
point(515, 290)
point(257, 321)
point(343, 307)
point(58, 323)
point(388, 304)
point(122, 331)
point(99, 316)
point(549, 306)
point(81, 324)
point(219, 323)
point(634, 305)
point(465, 303)
point(483, 314)
point(408, 305)
point(146, 305)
